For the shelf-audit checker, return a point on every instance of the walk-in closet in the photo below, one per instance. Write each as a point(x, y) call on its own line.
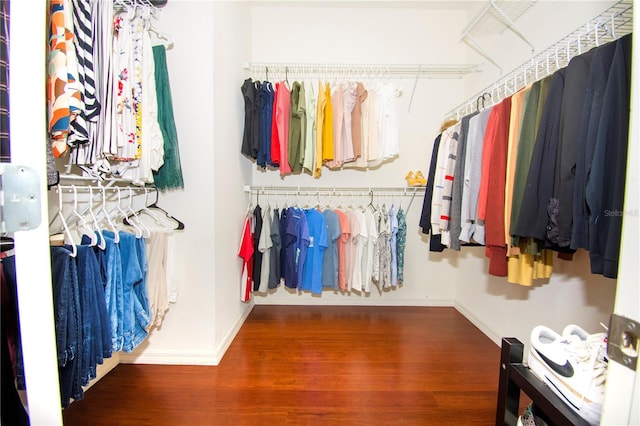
point(418, 340)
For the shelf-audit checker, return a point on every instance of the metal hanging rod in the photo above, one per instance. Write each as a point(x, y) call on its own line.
point(266, 71)
point(610, 25)
point(332, 189)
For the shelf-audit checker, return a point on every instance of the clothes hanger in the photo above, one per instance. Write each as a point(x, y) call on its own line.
point(107, 217)
point(82, 225)
point(67, 232)
point(145, 210)
point(138, 231)
point(179, 224)
point(145, 231)
point(102, 244)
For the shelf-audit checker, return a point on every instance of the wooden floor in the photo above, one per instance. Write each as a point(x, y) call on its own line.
point(324, 365)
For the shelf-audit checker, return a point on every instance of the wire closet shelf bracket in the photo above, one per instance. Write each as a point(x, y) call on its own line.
point(610, 25)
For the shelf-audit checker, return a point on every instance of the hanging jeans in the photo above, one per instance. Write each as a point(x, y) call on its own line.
point(68, 322)
point(134, 316)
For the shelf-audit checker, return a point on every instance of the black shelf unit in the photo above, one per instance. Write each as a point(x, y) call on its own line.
point(516, 377)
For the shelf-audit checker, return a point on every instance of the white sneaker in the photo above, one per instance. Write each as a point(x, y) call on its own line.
point(572, 368)
point(596, 339)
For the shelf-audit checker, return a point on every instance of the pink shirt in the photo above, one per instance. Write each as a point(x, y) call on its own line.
point(282, 121)
point(338, 122)
point(345, 236)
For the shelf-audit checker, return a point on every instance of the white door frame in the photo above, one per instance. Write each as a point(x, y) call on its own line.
point(27, 67)
point(621, 406)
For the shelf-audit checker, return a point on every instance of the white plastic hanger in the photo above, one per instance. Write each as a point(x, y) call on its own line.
point(83, 226)
point(133, 215)
point(96, 226)
point(67, 232)
point(103, 210)
point(167, 227)
point(118, 207)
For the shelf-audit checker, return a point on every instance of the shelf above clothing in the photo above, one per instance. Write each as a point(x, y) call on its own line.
point(277, 71)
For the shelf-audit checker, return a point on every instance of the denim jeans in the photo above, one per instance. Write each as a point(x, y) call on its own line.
point(12, 325)
point(103, 344)
point(135, 315)
point(68, 322)
point(94, 311)
point(113, 291)
point(142, 310)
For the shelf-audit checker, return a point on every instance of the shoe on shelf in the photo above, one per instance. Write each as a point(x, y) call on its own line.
point(420, 179)
point(572, 368)
point(531, 416)
point(595, 339)
point(410, 177)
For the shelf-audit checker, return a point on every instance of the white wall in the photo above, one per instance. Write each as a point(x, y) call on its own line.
point(209, 115)
point(373, 35)
point(231, 32)
point(211, 40)
point(413, 33)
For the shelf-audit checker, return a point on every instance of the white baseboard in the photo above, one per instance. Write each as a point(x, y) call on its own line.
point(312, 301)
point(187, 357)
point(479, 324)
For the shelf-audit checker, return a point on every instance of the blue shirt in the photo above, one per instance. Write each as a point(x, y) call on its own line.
point(312, 273)
point(330, 260)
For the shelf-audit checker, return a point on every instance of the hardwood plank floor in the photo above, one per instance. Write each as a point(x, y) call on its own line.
point(316, 365)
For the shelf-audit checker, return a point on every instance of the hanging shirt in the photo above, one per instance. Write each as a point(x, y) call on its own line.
point(274, 269)
point(472, 228)
point(150, 139)
point(337, 108)
point(390, 137)
point(257, 254)
point(266, 110)
point(123, 87)
point(393, 226)
point(356, 120)
point(157, 288)
point(352, 247)
point(275, 137)
point(246, 254)
point(455, 225)
point(264, 246)
point(453, 134)
point(63, 86)
point(320, 117)
point(283, 117)
point(330, 258)
point(372, 241)
point(310, 128)
point(288, 256)
point(327, 126)
point(360, 243)
point(313, 266)
point(349, 100)
point(345, 235)
point(294, 150)
point(498, 129)
point(401, 239)
point(384, 249)
point(302, 112)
